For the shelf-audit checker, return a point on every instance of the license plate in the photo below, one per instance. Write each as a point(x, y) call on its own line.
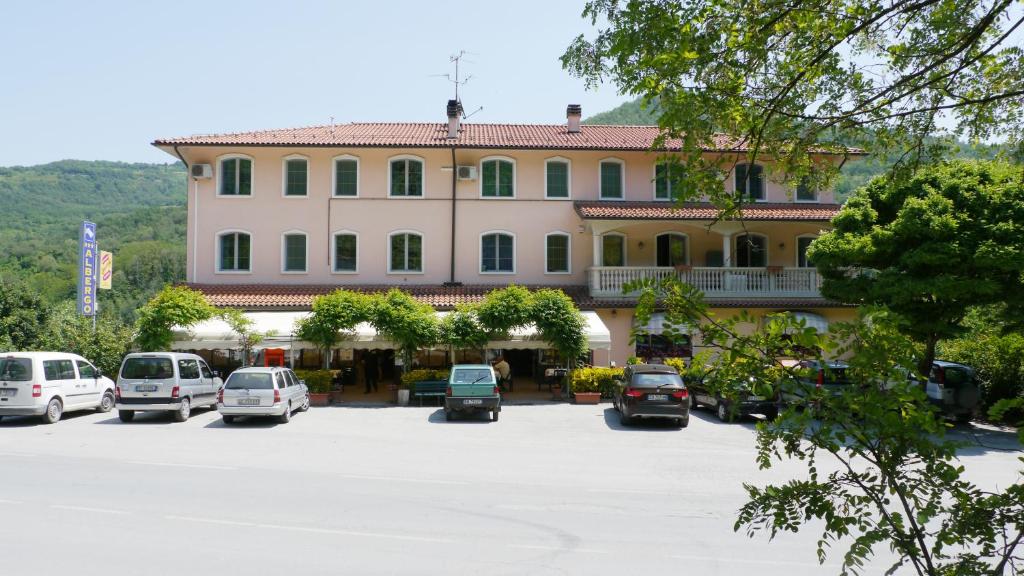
point(249, 402)
point(8, 392)
point(756, 398)
point(472, 402)
point(149, 388)
point(657, 397)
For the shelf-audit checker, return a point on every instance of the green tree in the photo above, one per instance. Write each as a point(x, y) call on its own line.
point(559, 323)
point(105, 345)
point(22, 317)
point(504, 310)
point(245, 332)
point(879, 471)
point(406, 322)
point(173, 306)
point(461, 329)
point(929, 248)
point(332, 315)
point(789, 80)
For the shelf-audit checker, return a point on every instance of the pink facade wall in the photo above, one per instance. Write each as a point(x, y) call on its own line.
point(268, 214)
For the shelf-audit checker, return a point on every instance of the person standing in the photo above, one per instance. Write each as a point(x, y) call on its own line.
point(371, 371)
point(503, 370)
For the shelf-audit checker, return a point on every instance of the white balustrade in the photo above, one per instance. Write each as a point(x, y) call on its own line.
point(608, 281)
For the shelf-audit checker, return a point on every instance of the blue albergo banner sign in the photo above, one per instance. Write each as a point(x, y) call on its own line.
point(87, 272)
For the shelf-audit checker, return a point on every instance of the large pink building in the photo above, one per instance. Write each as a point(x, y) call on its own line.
point(449, 211)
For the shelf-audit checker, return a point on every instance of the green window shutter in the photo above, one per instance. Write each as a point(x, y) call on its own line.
point(227, 252)
point(557, 179)
point(489, 178)
point(398, 252)
point(558, 253)
point(297, 173)
point(506, 249)
point(742, 185)
point(244, 177)
point(805, 190)
point(488, 253)
point(415, 178)
point(345, 252)
point(243, 252)
point(346, 174)
point(613, 250)
point(661, 183)
point(228, 177)
point(611, 180)
point(506, 179)
point(415, 263)
point(295, 253)
point(757, 182)
point(398, 177)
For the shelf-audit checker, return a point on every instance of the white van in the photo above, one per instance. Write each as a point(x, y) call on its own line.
point(173, 382)
point(47, 384)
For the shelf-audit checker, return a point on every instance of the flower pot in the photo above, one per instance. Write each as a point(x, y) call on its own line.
point(403, 397)
point(319, 399)
point(588, 397)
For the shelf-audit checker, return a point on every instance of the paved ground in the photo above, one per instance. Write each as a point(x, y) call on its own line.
point(555, 489)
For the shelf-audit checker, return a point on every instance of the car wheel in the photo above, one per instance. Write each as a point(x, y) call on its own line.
point(448, 415)
point(963, 418)
point(624, 420)
point(693, 402)
point(227, 419)
point(126, 415)
point(771, 415)
point(683, 422)
point(107, 402)
point(723, 412)
point(54, 410)
point(286, 416)
point(183, 411)
point(305, 403)
point(494, 415)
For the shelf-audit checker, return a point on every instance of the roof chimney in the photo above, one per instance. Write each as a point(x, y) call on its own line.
point(454, 113)
point(574, 112)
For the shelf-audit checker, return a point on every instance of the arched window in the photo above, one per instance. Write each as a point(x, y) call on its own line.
point(293, 252)
point(751, 251)
point(497, 253)
point(406, 252)
point(296, 176)
point(346, 252)
point(234, 175)
point(663, 188)
point(557, 178)
point(802, 244)
point(612, 179)
point(234, 251)
point(672, 249)
point(405, 177)
point(498, 177)
point(613, 249)
point(750, 181)
point(346, 176)
point(557, 253)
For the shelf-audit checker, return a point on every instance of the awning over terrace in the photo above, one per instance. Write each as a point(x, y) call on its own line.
point(216, 334)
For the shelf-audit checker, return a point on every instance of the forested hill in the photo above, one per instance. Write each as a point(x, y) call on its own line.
point(139, 210)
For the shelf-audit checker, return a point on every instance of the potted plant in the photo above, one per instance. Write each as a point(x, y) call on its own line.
point(319, 384)
point(585, 385)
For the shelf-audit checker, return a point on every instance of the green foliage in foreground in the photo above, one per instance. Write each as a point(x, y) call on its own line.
point(879, 472)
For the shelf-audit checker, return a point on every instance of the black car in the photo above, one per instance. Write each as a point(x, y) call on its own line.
point(744, 404)
point(830, 377)
point(652, 391)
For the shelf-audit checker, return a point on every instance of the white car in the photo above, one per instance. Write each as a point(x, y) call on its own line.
point(48, 384)
point(272, 391)
point(173, 382)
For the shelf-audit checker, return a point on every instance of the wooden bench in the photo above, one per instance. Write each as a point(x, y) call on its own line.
point(429, 389)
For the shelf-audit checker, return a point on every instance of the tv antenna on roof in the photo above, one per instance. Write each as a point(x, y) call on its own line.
point(458, 80)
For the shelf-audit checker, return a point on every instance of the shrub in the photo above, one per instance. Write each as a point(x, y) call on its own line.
point(422, 374)
point(318, 381)
point(594, 379)
point(997, 359)
point(634, 360)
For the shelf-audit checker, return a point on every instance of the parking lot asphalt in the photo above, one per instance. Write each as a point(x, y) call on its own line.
point(549, 489)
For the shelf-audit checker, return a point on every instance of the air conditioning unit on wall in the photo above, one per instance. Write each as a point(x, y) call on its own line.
point(467, 172)
point(202, 171)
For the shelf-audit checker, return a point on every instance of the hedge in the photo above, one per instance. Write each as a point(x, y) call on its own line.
point(411, 377)
point(318, 381)
point(594, 379)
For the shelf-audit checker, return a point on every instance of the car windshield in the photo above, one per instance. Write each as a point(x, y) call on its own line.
point(249, 381)
point(15, 369)
point(835, 376)
point(471, 375)
point(954, 376)
point(655, 380)
point(147, 367)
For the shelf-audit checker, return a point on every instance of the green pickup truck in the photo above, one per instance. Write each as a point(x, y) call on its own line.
point(471, 388)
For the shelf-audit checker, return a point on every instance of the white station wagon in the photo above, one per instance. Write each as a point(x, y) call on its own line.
point(272, 391)
point(47, 384)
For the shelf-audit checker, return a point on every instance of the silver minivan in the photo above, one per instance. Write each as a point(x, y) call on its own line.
point(173, 382)
point(48, 384)
point(272, 391)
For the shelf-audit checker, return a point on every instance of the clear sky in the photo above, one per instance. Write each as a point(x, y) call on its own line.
point(101, 80)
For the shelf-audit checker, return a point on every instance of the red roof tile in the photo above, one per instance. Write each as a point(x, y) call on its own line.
point(288, 296)
point(431, 135)
point(611, 210)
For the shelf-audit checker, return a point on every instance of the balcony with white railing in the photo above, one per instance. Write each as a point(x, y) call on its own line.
point(770, 282)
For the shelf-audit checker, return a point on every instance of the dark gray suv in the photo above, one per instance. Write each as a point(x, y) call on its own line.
point(652, 391)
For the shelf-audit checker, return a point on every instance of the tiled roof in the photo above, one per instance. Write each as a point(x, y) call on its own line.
point(290, 296)
point(431, 135)
point(612, 210)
